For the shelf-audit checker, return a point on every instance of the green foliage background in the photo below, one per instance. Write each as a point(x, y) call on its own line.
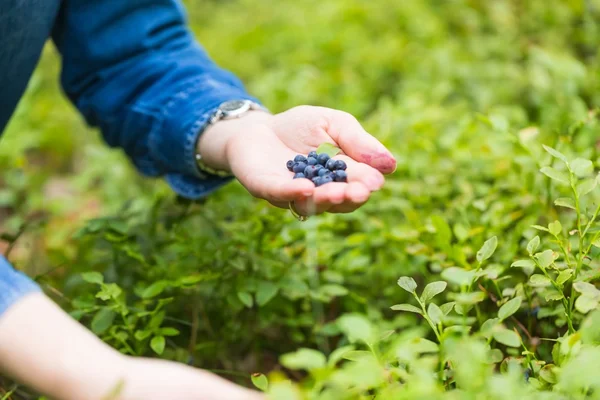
point(465, 93)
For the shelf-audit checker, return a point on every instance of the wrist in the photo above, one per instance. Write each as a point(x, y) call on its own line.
point(215, 143)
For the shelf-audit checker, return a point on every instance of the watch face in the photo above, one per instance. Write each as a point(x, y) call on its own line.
point(233, 105)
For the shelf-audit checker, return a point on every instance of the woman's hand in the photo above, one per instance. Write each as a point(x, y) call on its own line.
point(256, 147)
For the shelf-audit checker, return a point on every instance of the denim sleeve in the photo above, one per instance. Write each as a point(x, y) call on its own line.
point(13, 285)
point(134, 69)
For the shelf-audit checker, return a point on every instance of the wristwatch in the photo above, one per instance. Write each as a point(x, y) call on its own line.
point(227, 110)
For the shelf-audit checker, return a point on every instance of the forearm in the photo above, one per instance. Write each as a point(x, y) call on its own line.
point(44, 348)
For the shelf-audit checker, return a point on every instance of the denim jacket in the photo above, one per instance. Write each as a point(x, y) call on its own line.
point(133, 69)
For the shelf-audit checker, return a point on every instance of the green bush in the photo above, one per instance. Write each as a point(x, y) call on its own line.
point(471, 275)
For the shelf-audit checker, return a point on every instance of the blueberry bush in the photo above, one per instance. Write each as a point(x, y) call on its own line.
point(471, 275)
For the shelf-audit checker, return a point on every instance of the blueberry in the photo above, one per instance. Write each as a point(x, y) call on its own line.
point(322, 158)
point(310, 171)
point(313, 154)
point(300, 158)
point(316, 180)
point(340, 176)
point(323, 171)
point(330, 164)
point(312, 161)
point(340, 165)
point(299, 167)
point(326, 179)
point(290, 165)
point(299, 175)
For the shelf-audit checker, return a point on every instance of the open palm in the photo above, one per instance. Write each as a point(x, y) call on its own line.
point(258, 159)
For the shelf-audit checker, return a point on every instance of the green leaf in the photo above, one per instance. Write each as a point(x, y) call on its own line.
point(245, 298)
point(333, 290)
point(555, 175)
point(93, 277)
point(442, 229)
point(304, 359)
point(523, 264)
point(102, 320)
point(564, 276)
point(586, 302)
point(487, 249)
point(555, 228)
point(154, 289)
point(407, 283)
point(565, 202)
point(142, 334)
point(432, 290)
point(421, 346)
point(553, 295)
point(586, 288)
point(469, 298)
point(447, 307)
point(109, 291)
point(488, 327)
point(338, 354)
point(265, 292)
point(533, 244)
point(496, 356)
point(260, 382)
point(458, 276)
point(555, 153)
point(407, 307)
point(538, 280)
point(357, 355)
point(284, 390)
point(509, 308)
point(158, 344)
point(545, 258)
point(507, 337)
point(581, 167)
point(548, 374)
point(329, 149)
point(356, 327)
point(586, 186)
point(435, 314)
point(540, 228)
point(169, 331)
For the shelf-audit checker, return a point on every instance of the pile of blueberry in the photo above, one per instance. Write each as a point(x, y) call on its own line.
point(319, 168)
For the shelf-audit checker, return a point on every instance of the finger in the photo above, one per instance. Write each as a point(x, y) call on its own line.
point(357, 193)
point(276, 188)
point(356, 196)
point(332, 193)
point(324, 198)
point(358, 143)
point(363, 173)
point(308, 207)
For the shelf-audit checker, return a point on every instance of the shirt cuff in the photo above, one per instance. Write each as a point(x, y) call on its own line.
point(184, 118)
point(14, 285)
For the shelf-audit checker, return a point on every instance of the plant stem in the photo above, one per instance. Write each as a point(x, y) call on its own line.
point(429, 321)
point(566, 305)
